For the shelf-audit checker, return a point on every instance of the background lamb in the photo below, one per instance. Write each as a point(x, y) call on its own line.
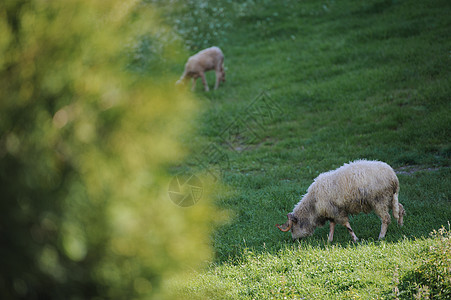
point(360, 186)
point(208, 59)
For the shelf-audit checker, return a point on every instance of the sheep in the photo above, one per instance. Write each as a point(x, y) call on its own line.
point(360, 186)
point(208, 59)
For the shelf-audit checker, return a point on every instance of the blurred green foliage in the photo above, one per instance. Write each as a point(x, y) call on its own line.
point(83, 141)
point(202, 23)
point(433, 275)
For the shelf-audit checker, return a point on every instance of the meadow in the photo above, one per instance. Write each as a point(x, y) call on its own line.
point(340, 80)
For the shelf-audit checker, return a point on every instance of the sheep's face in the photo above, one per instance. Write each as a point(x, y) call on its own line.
point(301, 228)
point(181, 81)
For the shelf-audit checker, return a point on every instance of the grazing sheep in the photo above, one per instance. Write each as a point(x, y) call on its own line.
point(208, 59)
point(360, 186)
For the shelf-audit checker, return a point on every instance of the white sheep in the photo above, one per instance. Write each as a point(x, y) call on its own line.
point(360, 186)
point(208, 59)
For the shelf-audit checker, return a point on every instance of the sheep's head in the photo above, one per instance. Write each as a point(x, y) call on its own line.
point(299, 228)
point(181, 81)
point(289, 224)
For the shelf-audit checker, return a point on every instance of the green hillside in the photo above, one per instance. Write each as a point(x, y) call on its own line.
point(341, 80)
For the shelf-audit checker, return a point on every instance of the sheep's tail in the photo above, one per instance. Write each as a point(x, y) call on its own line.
point(395, 207)
point(398, 209)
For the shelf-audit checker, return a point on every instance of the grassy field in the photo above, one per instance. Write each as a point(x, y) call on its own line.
point(340, 80)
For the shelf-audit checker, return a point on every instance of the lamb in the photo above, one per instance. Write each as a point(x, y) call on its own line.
point(208, 59)
point(360, 186)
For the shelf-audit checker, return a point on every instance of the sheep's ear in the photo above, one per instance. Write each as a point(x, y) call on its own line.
point(292, 217)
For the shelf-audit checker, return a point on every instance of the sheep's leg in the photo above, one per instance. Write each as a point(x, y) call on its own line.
point(384, 227)
point(194, 84)
point(204, 81)
point(402, 212)
point(331, 232)
point(385, 218)
point(222, 74)
point(351, 232)
point(218, 78)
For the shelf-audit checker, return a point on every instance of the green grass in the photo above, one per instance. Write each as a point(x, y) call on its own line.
point(363, 271)
point(352, 79)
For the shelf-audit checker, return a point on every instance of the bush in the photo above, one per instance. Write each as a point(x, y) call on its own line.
point(202, 23)
point(432, 278)
point(83, 144)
